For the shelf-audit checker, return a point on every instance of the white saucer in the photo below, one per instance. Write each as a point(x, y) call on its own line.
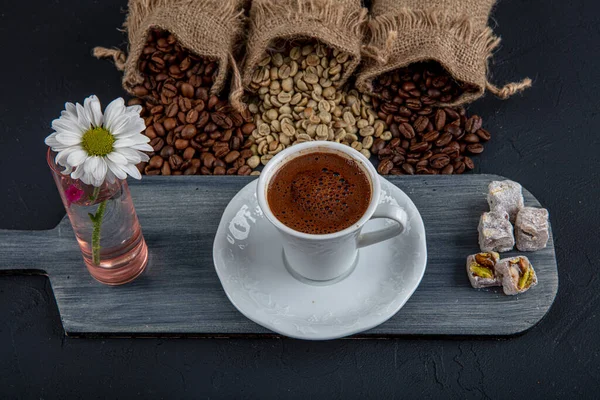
point(247, 253)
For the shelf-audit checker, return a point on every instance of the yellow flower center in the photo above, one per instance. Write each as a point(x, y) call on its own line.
point(97, 142)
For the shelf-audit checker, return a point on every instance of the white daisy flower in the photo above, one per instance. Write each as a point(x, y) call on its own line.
point(93, 147)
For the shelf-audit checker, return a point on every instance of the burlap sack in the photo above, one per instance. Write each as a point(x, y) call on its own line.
point(208, 28)
point(452, 32)
point(337, 23)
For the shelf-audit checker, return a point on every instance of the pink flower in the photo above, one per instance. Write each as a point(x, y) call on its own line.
point(73, 194)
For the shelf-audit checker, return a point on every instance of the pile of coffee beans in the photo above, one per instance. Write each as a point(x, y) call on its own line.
point(425, 139)
point(299, 100)
point(191, 131)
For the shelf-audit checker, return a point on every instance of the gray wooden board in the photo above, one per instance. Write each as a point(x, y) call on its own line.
point(180, 293)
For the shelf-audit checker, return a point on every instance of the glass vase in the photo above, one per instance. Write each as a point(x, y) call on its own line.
point(105, 225)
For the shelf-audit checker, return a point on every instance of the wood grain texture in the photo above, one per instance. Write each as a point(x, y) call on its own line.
point(180, 293)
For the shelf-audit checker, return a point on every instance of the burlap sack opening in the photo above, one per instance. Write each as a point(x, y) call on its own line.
point(453, 33)
point(208, 28)
point(336, 23)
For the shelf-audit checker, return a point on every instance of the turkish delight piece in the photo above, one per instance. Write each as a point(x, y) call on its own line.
point(505, 196)
point(531, 229)
point(481, 270)
point(516, 274)
point(495, 232)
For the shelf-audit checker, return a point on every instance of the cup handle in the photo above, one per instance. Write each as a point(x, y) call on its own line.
point(390, 212)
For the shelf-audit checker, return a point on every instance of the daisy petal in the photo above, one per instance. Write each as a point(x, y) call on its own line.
point(115, 169)
point(77, 157)
point(130, 141)
point(117, 158)
point(113, 111)
point(93, 110)
point(82, 117)
point(68, 139)
point(132, 156)
point(142, 147)
point(134, 125)
point(99, 173)
point(132, 171)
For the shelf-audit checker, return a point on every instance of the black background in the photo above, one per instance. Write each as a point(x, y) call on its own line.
point(547, 139)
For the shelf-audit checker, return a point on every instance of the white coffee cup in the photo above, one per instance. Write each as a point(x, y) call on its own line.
point(328, 258)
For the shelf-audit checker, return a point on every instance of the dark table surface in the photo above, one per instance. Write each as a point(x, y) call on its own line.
point(547, 139)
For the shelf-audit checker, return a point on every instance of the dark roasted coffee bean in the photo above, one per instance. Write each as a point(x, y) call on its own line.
point(413, 104)
point(406, 130)
point(473, 124)
point(187, 90)
point(440, 119)
point(483, 134)
point(189, 131)
point(420, 123)
point(378, 144)
point(454, 130)
point(431, 136)
point(475, 148)
point(439, 160)
point(419, 147)
point(219, 170)
point(175, 162)
point(443, 140)
point(157, 144)
point(170, 124)
point(385, 166)
point(191, 117)
point(181, 144)
point(167, 152)
point(159, 129)
point(247, 128)
point(166, 169)
point(448, 170)
point(189, 153)
point(469, 163)
point(471, 138)
point(231, 157)
point(244, 170)
point(155, 162)
point(408, 168)
point(452, 114)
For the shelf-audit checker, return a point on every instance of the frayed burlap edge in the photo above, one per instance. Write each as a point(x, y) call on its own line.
point(338, 27)
point(434, 35)
point(223, 19)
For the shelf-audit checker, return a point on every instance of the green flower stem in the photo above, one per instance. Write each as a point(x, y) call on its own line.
point(97, 222)
point(96, 193)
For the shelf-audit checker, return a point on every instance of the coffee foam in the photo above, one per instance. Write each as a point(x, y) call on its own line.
point(319, 193)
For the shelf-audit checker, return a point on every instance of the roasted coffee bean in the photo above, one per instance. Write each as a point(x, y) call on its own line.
point(444, 139)
point(408, 168)
point(244, 170)
point(406, 130)
point(159, 129)
point(473, 124)
point(421, 123)
point(219, 171)
point(483, 134)
point(439, 160)
point(385, 166)
point(469, 163)
point(188, 131)
point(471, 138)
point(189, 153)
point(175, 161)
point(475, 148)
point(431, 136)
point(157, 144)
point(155, 162)
point(231, 157)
